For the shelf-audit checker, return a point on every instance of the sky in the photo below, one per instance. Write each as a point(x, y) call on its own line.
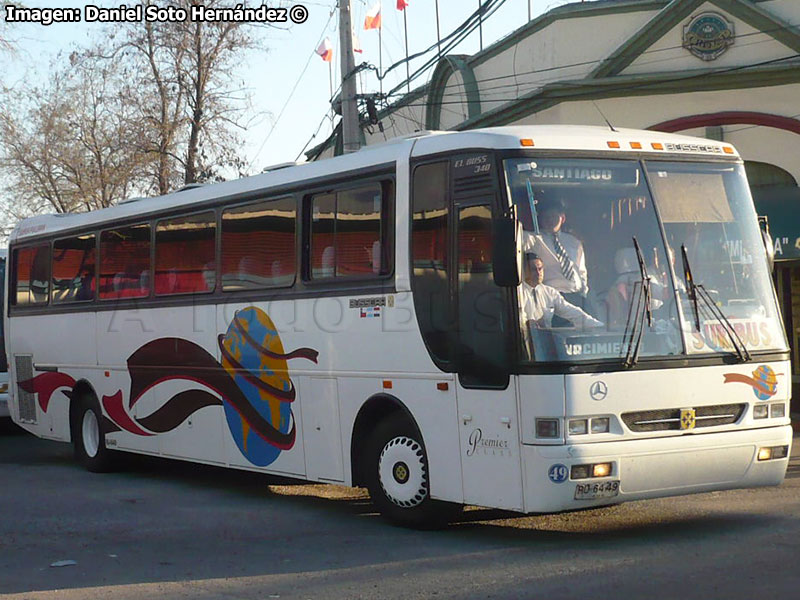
point(289, 83)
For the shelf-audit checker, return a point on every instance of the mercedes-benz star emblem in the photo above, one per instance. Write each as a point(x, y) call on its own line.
point(598, 391)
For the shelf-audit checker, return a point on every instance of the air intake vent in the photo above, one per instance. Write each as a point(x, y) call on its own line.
point(473, 183)
point(669, 419)
point(25, 400)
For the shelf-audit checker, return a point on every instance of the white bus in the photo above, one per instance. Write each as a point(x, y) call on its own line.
point(363, 321)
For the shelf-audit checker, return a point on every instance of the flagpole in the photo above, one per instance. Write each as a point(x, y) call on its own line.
point(480, 23)
point(330, 78)
point(438, 36)
point(408, 68)
point(380, 56)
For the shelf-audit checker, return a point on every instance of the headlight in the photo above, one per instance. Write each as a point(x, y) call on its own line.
point(777, 410)
point(760, 411)
point(578, 427)
point(600, 425)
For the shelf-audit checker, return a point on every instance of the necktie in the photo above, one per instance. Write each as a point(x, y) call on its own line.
point(567, 266)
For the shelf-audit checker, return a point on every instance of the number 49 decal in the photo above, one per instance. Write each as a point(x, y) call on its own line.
point(558, 473)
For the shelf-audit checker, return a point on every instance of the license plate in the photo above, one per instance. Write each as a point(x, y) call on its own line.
point(602, 489)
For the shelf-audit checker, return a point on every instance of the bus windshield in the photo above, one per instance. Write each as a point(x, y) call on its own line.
point(602, 283)
point(711, 227)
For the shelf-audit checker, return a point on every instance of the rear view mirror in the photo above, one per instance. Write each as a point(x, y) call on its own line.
point(506, 260)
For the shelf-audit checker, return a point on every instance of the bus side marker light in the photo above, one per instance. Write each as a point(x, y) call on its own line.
point(760, 411)
point(526, 142)
point(387, 385)
point(107, 373)
point(547, 428)
point(442, 386)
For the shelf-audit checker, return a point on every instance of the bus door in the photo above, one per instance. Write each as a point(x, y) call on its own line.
point(486, 395)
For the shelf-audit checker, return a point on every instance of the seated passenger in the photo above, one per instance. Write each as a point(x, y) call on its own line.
point(539, 302)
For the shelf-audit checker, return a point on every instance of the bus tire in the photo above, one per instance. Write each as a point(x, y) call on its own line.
point(397, 475)
point(87, 436)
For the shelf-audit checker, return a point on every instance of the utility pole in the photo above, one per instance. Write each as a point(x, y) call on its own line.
point(350, 125)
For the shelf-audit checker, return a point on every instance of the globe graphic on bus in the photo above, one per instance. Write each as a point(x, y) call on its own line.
point(253, 356)
point(766, 382)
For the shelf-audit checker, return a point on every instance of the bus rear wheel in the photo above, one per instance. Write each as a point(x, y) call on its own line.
point(398, 478)
point(88, 438)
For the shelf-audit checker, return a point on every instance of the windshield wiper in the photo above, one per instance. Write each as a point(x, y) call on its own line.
point(643, 303)
point(697, 291)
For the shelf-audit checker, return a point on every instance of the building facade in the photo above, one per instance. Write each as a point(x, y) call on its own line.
point(722, 69)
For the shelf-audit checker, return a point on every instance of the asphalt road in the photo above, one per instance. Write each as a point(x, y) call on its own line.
point(157, 529)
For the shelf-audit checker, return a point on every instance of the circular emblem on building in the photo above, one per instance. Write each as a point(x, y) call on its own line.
point(708, 35)
point(598, 390)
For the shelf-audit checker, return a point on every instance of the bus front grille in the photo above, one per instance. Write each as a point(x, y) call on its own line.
point(670, 418)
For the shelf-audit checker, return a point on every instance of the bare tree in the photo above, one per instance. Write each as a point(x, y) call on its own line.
point(67, 146)
point(184, 88)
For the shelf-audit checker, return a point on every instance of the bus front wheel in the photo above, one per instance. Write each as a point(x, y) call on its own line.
point(398, 478)
point(88, 438)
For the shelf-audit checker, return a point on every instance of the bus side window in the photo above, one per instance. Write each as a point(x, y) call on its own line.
point(73, 269)
point(186, 255)
point(31, 275)
point(350, 232)
point(431, 261)
point(125, 262)
point(258, 245)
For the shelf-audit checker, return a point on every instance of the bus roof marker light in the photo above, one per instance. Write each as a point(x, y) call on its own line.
point(657, 146)
point(728, 150)
point(636, 145)
point(613, 144)
point(526, 142)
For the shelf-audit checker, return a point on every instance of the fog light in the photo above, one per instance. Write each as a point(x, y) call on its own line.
point(764, 453)
point(777, 411)
point(547, 428)
point(580, 471)
point(600, 425)
point(760, 411)
point(578, 427)
point(601, 470)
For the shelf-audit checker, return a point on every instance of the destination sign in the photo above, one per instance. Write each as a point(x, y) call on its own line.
point(578, 172)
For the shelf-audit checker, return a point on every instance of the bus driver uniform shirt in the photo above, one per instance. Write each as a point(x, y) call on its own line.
point(563, 259)
point(540, 303)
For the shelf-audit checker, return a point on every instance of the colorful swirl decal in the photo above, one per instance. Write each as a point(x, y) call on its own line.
point(251, 383)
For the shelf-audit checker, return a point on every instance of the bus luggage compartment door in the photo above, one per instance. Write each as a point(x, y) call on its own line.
point(490, 450)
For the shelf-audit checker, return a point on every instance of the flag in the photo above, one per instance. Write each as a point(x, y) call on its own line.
point(373, 18)
point(356, 44)
point(325, 50)
point(401, 4)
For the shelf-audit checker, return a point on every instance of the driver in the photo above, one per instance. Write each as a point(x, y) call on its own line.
point(540, 302)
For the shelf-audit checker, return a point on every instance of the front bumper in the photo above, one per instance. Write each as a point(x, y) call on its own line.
point(656, 467)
